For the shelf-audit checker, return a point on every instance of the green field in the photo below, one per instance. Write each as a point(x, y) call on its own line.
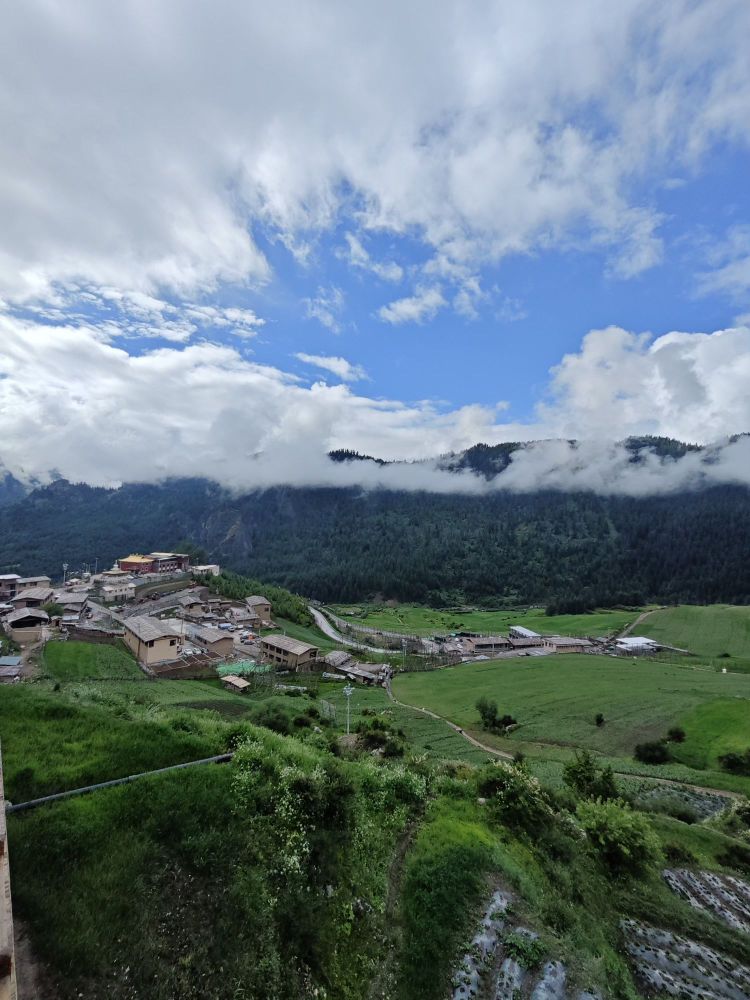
point(709, 632)
point(415, 619)
point(556, 698)
point(79, 661)
point(424, 734)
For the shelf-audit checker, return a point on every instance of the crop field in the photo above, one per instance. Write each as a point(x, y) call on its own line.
point(78, 661)
point(417, 620)
point(556, 698)
point(424, 734)
point(718, 634)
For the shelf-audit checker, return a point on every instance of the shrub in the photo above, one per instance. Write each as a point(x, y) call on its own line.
point(526, 950)
point(654, 752)
point(518, 798)
point(737, 763)
point(586, 780)
point(599, 720)
point(622, 839)
point(678, 854)
point(676, 734)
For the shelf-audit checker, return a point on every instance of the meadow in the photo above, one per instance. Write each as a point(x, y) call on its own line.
point(415, 619)
point(556, 699)
point(718, 634)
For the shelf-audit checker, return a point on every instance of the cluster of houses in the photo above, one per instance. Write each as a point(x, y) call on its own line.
point(518, 641)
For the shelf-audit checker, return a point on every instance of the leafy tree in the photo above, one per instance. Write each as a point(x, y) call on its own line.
point(676, 734)
point(488, 712)
point(53, 609)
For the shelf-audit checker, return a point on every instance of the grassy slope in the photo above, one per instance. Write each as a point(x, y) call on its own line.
point(76, 661)
point(707, 632)
point(715, 728)
point(56, 740)
point(179, 871)
point(555, 698)
point(415, 619)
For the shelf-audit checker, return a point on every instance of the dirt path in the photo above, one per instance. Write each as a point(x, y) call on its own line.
point(457, 729)
point(34, 981)
point(641, 618)
point(383, 984)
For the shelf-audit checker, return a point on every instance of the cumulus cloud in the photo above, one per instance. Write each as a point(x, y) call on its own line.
point(148, 147)
point(692, 386)
point(417, 308)
point(340, 367)
point(71, 399)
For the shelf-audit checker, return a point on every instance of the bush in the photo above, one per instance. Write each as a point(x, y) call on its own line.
point(489, 714)
point(599, 720)
point(526, 950)
point(737, 763)
point(517, 798)
point(622, 839)
point(655, 752)
point(676, 734)
point(586, 780)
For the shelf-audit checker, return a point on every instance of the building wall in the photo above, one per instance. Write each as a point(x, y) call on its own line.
point(262, 610)
point(26, 635)
point(162, 650)
point(220, 647)
point(283, 658)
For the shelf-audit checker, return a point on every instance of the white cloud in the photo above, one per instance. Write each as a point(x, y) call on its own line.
point(145, 145)
point(730, 260)
point(326, 308)
point(72, 400)
point(359, 257)
point(340, 367)
point(692, 386)
point(424, 304)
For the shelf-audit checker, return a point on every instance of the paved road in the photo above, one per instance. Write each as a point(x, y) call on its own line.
point(327, 629)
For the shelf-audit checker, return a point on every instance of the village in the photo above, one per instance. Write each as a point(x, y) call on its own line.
point(163, 609)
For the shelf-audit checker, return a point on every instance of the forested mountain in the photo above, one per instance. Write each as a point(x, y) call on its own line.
point(347, 544)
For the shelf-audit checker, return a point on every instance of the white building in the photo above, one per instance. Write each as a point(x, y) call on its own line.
point(637, 645)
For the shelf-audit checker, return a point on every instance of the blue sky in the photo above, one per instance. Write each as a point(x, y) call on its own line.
point(401, 230)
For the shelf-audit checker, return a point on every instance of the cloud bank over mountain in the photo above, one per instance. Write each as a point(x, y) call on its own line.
point(77, 403)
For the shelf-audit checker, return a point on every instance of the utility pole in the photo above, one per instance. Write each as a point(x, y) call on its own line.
point(348, 692)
